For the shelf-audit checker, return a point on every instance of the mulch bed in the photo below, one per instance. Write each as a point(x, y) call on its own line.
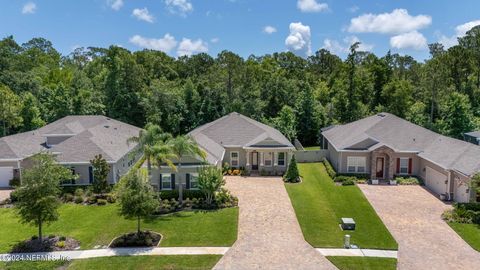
point(51, 243)
point(144, 239)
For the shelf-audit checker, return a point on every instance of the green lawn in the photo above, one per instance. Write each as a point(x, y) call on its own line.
point(469, 232)
point(133, 262)
point(319, 204)
point(310, 148)
point(363, 263)
point(98, 225)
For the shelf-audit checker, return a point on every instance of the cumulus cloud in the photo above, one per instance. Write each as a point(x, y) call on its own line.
point(411, 40)
point(189, 47)
point(269, 29)
point(343, 47)
point(115, 4)
point(165, 44)
point(29, 8)
point(396, 22)
point(143, 15)
point(460, 31)
point(299, 39)
point(311, 6)
point(181, 7)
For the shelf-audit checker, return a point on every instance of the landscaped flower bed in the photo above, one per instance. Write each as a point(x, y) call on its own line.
point(87, 197)
point(50, 243)
point(410, 180)
point(142, 239)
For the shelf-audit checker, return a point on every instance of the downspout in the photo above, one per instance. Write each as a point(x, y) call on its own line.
point(449, 185)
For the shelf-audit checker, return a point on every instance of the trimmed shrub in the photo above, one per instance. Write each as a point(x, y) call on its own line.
point(92, 200)
point(173, 194)
point(329, 168)
point(348, 182)
point(101, 202)
point(468, 206)
point(410, 180)
point(79, 192)
point(68, 197)
point(78, 199)
point(15, 182)
point(111, 198)
point(292, 174)
point(13, 196)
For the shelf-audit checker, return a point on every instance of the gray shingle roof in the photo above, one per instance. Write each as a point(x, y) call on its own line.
point(90, 135)
point(474, 134)
point(401, 135)
point(236, 130)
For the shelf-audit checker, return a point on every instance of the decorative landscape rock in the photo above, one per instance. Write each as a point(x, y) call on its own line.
point(50, 243)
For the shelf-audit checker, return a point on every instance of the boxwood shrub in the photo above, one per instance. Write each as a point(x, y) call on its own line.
point(329, 168)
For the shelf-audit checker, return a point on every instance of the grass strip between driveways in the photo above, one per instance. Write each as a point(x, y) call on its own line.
point(469, 232)
point(98, 225)
point(170, 262)
point(320, 204)
point(363, 263)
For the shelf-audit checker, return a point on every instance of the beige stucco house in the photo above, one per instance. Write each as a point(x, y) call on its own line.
point(234, 139)
point(384, 146)
point(74, 140)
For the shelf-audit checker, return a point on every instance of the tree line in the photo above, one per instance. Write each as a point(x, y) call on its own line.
point(297, 95)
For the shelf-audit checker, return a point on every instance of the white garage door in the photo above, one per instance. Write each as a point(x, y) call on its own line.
point(461, 194)
point(435, 181)
point(6, 174)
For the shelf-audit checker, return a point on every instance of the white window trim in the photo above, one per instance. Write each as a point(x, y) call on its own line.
point(352, 161)
point(196, 175)
point(400, 166)
point(265, 159)
point(170, 178)
point(284, 159)
point(236, 159)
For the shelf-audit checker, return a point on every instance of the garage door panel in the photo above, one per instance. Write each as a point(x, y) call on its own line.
point(435, 181)
point(6, 174)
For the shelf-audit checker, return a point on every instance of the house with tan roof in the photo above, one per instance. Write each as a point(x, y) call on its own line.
point(234, 139)
point(74, 141)
point(384, 146)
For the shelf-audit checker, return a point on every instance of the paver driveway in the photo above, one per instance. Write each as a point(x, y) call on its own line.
point(269, 236)
point(5, 194)
point(413, 216)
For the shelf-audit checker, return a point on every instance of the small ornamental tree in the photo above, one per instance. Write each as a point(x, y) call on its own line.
point(210, 180)
point(137, 198)
point(38, 194)
point(292, 174)
point(475, 184)
point(100, 174)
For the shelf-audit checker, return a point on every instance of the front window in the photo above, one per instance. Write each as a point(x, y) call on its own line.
point(403, 165)
point(234, 159)
point(194, 181)
point(281, 159)
point(268, 159)
point(356, 164)
point(166, 181)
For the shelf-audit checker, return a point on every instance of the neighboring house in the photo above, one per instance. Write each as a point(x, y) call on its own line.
point(472, 137)
point(384, 146)
point(74, 140)
point(234, 139)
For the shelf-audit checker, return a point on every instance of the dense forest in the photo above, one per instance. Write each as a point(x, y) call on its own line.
point(299, 96)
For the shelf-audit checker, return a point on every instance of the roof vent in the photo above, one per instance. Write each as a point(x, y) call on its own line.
point(106, 126)
point(381, 114)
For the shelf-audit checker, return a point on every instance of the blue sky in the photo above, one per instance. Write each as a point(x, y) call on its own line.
point(246, 27)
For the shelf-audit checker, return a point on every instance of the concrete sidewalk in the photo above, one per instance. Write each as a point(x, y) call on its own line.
point(358, 252)
point(110, 252)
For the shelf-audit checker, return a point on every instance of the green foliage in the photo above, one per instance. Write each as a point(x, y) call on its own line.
point(38, 195)
point(292, 174)
point(475, 183)
point(9, 109)
point(328, 167)
point(408, 180)
point(457, 117)
point(210, 180)
point(101, 169)
point(286, 122)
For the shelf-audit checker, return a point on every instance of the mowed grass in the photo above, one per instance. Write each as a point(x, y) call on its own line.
point(363, 263)
point(98, 225)
point(469, 232)
point(123, 262)
point(320, 204)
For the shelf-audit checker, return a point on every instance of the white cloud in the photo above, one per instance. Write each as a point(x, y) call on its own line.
point(411, 40)
point(189, 47)
point(214, 40)
point(115, 4)
point(396, 22)
point(143, 15)
point(299, 39)
point(269, 29)
point(343, 47)
point(165, 44)
point(460, 31)
point(181, 7)
point(311, 6)
point(29, 8)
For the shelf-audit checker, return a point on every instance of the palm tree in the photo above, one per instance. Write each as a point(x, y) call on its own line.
point(184, 146)
point(149, 142)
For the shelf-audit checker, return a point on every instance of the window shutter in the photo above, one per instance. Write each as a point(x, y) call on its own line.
point(410, 166)
point(160, 185)
point(398, 165)
point(187, 176)
point(173, 181)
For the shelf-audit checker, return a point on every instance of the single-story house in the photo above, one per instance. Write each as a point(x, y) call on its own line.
point(473, 137)
point(385, 146)
point(74, 140)
point(234, 139)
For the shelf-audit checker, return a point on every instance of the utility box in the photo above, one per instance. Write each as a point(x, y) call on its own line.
point(348, 224)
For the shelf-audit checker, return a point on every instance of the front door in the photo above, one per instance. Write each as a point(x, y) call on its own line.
point(380, 167)
point(254, 160)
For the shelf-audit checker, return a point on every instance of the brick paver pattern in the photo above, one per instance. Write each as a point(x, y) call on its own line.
point(413, 216)
point(269, 236)
point(4, 194)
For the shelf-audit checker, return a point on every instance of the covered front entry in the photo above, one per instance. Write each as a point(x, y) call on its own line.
point(380, 171)
point(382, 163)
point(254, 159)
